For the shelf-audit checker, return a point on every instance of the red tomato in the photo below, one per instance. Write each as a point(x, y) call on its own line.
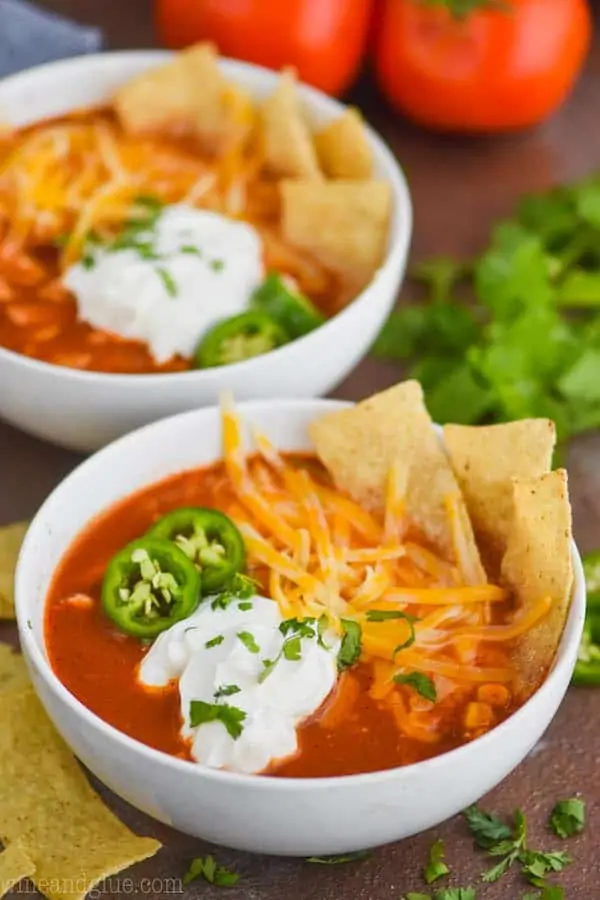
point(323, 39)
point(491, 71)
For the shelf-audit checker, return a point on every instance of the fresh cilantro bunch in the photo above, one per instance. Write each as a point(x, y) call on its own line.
point(517, 332)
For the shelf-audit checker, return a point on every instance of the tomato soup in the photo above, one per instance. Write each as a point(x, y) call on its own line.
point(366, 724)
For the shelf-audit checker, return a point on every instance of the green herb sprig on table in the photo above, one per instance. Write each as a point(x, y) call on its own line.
point(206, 867)
point(508, 843)
point(516, 333)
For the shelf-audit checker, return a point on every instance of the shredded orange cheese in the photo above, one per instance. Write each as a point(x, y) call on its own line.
point(326, 555)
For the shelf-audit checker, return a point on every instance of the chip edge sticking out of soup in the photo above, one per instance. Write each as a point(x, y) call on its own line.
point(372, 608)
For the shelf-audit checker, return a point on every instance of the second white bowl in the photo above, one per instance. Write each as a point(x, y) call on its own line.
point(85, 410)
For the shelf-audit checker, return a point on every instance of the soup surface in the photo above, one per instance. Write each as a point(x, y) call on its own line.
point(366, 724)
point(64, 180)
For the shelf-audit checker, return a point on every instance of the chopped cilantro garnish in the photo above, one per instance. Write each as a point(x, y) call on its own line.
point(294, 630)
point(436, 864)
point(509, 843)
point(245, 605)
point(214, 642)
point(322, 626)
point(168, 281)
point(339, 860)
point(242, 588)
point(351, 645)
point(88, 261)
point(191, 249)
point(206, 867)
point(568, 817)
point(248, 641)
point(384, 615)
point(302, 627)
point(422, 684)
point(536, 864)
point(226, 690)
point(230, 716)
point(217, 265)
point(548, 892)
point(292, 649)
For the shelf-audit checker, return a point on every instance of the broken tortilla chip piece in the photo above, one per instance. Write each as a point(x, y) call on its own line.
point(285, 138)
point(343, 224)
point(11, 538)
point(189, 95)
point(13, 671)
point(359, 445)
point(15, 865)
point(538, 564)
point(50, 809)
point(485, 461)
point(343, 147)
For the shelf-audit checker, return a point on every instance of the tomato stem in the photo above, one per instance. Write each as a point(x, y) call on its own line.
point(460, 9)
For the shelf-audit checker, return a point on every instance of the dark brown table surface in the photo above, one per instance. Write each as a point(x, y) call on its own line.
point(459, 187)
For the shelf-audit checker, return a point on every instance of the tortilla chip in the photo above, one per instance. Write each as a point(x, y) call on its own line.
point(48, 806)
point(188, 94)
point(11, 538)
point(485, 460)
point(538, 564)
point(15, 865)
point(343, 224)
point(285, 137)
point(343, 147)
point(13, 671)
point(358, 446)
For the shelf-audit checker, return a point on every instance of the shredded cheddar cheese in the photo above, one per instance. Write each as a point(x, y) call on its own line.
point(421, 617)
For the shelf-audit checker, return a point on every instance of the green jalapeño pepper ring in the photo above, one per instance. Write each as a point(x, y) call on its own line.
point(291, 309)
point(148, 586)
point(207, 537)
point(238, 338)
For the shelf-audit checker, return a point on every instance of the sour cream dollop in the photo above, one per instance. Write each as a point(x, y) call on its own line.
point(212, 663)
point(194, 268)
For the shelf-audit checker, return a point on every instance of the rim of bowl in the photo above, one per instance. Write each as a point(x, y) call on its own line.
point(567, 648)
point(399, 238)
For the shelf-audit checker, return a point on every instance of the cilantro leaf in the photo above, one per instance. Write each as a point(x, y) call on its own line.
point(351, 646)
point(547, 892)
point(568, 817)
point(385, 615)
point(422, 684)
point(249, 641)
point(339, 860)
point(486, 828)
point(214, 642)
point(292, 649)
point(226, 690)
point(467, 893)
point(230, 716)
point(436, 864)
point(535, 864)
point(206, 867)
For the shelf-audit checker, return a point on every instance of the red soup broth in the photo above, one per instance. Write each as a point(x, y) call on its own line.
point(98, 664)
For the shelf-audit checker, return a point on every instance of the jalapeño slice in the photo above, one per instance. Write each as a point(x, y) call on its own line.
point(148, 586)
point(239, 338)
point(287, 306)
point(209, 539)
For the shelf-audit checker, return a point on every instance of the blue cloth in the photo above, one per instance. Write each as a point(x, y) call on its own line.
point(30, 36)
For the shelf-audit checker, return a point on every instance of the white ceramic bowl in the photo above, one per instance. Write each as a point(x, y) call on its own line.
point(85, 410)
point(296, 817)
